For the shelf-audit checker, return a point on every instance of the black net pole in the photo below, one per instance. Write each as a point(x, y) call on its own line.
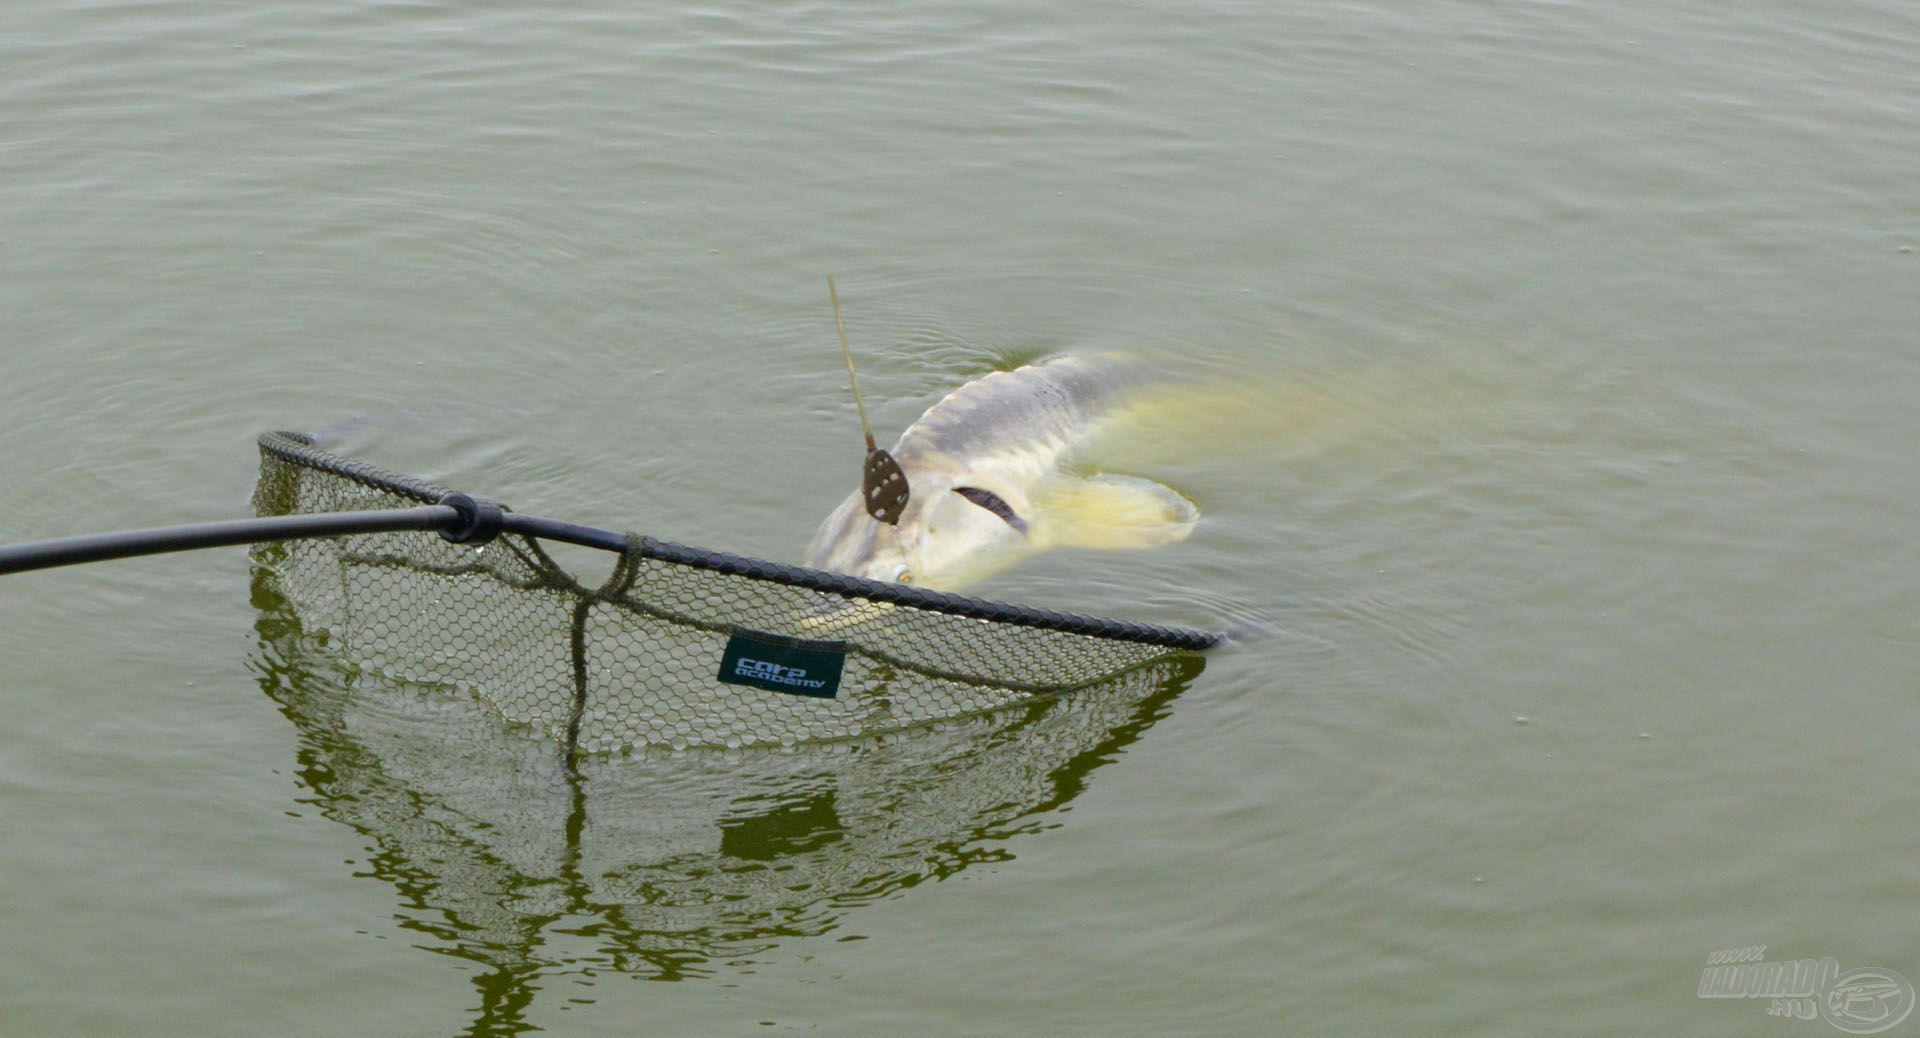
point(67, 551)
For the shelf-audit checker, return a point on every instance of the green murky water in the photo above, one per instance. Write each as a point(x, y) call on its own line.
point(1566, 493)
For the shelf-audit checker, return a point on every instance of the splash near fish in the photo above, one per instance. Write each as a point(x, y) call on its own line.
point(988, 480)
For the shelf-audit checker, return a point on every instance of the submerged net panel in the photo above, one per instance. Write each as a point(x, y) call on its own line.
point(636, 661)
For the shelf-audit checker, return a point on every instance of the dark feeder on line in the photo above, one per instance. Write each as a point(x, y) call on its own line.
point(883, 483)
point(884, 486)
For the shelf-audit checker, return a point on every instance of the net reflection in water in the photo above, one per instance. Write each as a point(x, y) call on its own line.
point(663, 864)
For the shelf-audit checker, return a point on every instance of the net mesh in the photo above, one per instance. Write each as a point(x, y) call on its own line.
point(635, 661)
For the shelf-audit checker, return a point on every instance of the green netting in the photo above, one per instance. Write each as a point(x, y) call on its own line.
point(636, 661)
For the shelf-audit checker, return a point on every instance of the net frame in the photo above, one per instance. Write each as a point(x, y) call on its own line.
point(640, 648)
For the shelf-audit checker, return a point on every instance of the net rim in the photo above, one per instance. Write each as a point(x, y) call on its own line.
point(300, 449)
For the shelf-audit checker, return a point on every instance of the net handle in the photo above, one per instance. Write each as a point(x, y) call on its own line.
point(99, 547)
point(459, 518)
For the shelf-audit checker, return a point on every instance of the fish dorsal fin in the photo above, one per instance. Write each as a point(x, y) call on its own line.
point(1113, 512)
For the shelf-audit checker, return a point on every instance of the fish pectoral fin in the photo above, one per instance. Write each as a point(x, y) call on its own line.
point(994, 503)
point(1113, 512)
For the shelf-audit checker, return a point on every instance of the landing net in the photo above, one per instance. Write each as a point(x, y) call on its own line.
point(680, 647)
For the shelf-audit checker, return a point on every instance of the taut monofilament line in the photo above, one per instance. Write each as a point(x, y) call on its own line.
point(866, 428)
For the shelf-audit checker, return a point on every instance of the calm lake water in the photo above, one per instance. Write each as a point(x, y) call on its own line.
point(1562, 480)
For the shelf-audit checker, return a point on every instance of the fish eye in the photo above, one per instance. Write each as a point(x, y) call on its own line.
point(902, 575)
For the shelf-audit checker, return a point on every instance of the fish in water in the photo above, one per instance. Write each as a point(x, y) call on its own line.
point(987, 473)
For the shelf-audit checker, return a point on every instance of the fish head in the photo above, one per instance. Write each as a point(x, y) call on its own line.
point(952, 532)
point(965, 528)
point(852, 542)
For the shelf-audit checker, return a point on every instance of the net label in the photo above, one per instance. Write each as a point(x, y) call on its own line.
point(781, 664)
